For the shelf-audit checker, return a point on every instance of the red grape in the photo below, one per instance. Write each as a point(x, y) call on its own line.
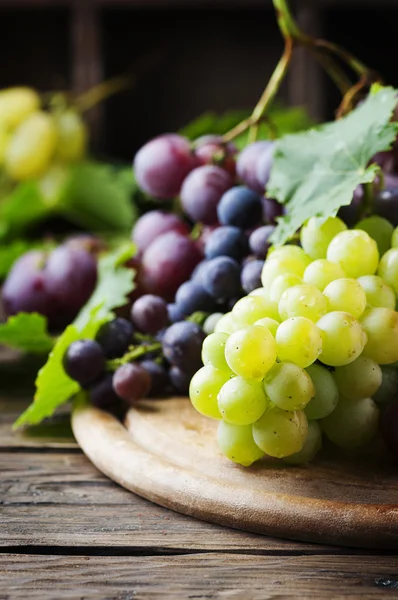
point(152, 224)
point(131, 382)
point(210, 149)
point(246, 165)
point(149, 314)
point(201, 193)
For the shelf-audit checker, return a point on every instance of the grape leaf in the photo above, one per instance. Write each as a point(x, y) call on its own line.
point(26, 332)
point(316, 172)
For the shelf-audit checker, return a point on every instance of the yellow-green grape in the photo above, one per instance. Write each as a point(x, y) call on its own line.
point(388, 268)
point(381, 326)
point(250, 309)
point(213, 351)
point(344, 338)
point(378, 293)
point(251, 352)
point(204, 389)
point(316, 235)
point(289, 251)
point(31, 147)
point(394, 238)
point(236, 443)
point(360, 379)
point(16, 104)
point(226, 324)
point(326, 393)
point(312, 446)
point(282, 283)
point(211, 322)
point(280, 432)
point(72, 136)
point(52, 184)
point(271, 324)
point(288, 386)
point(242, 401)
point(321, 272)
point(355, 251)
point(379, 229)
point(346, 294)
point(281, 263)
point(298, 340)
point(353, 423)
point(4, 139)
point(303, 301)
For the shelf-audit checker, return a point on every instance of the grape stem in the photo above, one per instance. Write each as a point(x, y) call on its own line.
point(133, 353)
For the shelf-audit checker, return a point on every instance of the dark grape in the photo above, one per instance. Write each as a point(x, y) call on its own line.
point(388, 389)
point(246, 165)
point(159, 377)
point(210, 149)
point(201, 193)
point(272, 210)
point(199, 270)
point(152, 224)
point(259, 240)
point(180, 380)
point(162, 164)
point(240, 207)
point(131, 382)
point(192, 297)
point(389, 428)
point(175, 313)
point(385, 160)
point(351, 213)
point(149, 314)
point(115, 337)
point(386, 204)
point(102, 395)
point(221, 278)
point(264, 164)
point(84, 361)
point(167, 263)
point(251, 275)
point(182, 346)
point(227, 241)
point(205, 233)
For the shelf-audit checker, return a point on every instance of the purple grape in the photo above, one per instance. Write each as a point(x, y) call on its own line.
point(264, 165)
point(227, 241)
point(251, 275)
point(246, 165)
point(131, 382)
point(351, 213)
point(167, 263)
point(159, 377)
point(180, 380)
point(259, 240)
point(175, 313)
point(210, 149)
point(152, 224)
point(162, 164)
point(199, 270)
point(221, 279)
point(86, 241)
point(84, 362)
point(192, 297)
point(386, 204)
point(102, 395)
point(241, 208)
point(149, 314)
point(115, 337)
point(182, 346)
point(389, 428)
point(385, 160)
point(201, 193)
point(272, 210)
point(388, 389)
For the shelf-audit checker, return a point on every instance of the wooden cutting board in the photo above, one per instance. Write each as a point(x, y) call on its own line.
point(167, 453)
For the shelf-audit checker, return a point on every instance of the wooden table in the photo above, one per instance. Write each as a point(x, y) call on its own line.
point(67, 532)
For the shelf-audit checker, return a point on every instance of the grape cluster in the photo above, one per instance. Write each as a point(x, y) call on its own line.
point(311, 352)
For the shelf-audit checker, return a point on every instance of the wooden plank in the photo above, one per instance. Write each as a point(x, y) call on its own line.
point(238, 577)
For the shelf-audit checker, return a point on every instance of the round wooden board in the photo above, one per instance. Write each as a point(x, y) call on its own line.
point(168, 454)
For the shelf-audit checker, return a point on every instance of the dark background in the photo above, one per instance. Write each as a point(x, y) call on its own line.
point(186, 56)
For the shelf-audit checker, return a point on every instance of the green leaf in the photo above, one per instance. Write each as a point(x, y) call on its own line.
point(22, 208)
point(26, 332)
point(316, 172)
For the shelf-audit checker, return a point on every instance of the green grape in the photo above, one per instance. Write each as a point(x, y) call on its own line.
point(344, 338)
point(388, 268)
point(16, 104)
point(303, 301)
point(269, 323)
point(355, 251)
point(379, 229)
point(360, 379)
point(204, 388)
point(72, 136)
point(210, 324)
point(282, 283)
point(378, 293)
point(226, 324)
point(242, 401)
point(353, 423)
point(288, 386)
point(298, 340)
point(251, 352)
point(4, 139)
point(394, 238)
point(387, 391)
point(283, 263)
point(346, 295)
point(280, 432)
point(321, 272)
point(251, 308)
point(316, 235)
point(236, 443)
point(326, 393)
point(213, 351)
point(381, 326)
point(52, 184)
point(31, 147)
point(312, 446)
point(288, 251)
